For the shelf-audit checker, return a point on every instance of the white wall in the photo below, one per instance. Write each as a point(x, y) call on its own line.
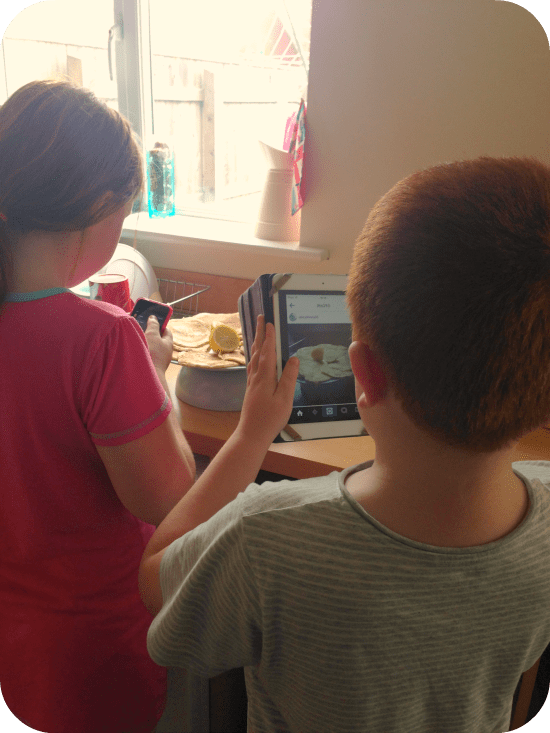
point(403, 84)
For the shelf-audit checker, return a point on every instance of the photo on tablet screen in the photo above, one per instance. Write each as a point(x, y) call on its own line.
point(315, 327)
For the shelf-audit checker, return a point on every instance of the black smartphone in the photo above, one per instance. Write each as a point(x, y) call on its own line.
point(145, 308)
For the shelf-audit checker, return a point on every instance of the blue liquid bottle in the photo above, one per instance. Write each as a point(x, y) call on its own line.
point(160, 180)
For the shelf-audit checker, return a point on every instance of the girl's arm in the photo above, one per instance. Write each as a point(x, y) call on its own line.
point(152, 473)
point(266, 410)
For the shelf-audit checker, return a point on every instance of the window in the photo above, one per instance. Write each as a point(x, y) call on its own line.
point(61, 38)
point(215, 77)
point(211, 78)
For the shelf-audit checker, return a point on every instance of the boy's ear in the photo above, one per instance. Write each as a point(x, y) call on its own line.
point(368, 372)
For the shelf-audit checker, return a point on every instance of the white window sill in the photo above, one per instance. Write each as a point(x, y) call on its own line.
point(212, 235)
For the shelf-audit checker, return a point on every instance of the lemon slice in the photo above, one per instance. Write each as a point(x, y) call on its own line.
point(223, 338)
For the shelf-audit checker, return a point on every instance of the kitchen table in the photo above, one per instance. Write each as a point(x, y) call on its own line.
point(207, 431)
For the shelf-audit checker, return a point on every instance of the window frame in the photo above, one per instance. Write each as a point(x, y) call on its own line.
point(133, 62)
point(206, 228)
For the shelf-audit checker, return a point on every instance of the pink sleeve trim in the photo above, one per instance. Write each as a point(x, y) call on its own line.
point(135, 429)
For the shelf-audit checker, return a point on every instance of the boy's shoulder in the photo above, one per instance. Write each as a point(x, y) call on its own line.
point(289, 494)
point(309, 502)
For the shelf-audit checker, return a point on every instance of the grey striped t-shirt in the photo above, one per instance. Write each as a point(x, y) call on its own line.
point(345, 626)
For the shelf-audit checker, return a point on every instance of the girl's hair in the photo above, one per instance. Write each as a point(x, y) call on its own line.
point(67, 161)
point(450, 287)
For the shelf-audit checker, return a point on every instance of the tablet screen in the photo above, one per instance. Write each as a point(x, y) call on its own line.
point(315, 327)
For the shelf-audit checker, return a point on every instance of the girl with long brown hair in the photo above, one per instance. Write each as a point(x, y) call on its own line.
point(91, 456)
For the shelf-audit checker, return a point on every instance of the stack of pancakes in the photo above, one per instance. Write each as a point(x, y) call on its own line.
point(323, 362)
point(191, 341)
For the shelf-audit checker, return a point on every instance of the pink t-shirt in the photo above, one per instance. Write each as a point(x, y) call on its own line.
point(73, 374)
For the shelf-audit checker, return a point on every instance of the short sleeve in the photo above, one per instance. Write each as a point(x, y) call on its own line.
point(210, 620)
point(121, 397)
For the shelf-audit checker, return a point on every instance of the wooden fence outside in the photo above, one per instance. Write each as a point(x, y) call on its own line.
point(214, 113)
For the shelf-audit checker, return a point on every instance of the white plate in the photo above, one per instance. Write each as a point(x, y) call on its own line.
point(127, 261)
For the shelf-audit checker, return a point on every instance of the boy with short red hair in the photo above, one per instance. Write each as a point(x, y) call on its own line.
point(407, 594)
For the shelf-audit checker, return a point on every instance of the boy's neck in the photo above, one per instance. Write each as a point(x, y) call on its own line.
point(450, 499)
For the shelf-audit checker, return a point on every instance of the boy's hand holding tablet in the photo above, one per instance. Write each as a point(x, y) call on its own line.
point(268, 401)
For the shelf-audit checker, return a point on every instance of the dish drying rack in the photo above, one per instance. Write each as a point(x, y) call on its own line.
point(182, 295)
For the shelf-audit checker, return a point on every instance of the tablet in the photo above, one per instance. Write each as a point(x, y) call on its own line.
point(312, 322)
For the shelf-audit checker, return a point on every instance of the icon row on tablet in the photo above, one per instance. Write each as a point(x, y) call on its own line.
point(318, 413)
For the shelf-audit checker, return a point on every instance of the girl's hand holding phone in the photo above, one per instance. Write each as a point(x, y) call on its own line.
point(268, 402)
point(144, 308)
point(153, 317)
point(160, 347)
